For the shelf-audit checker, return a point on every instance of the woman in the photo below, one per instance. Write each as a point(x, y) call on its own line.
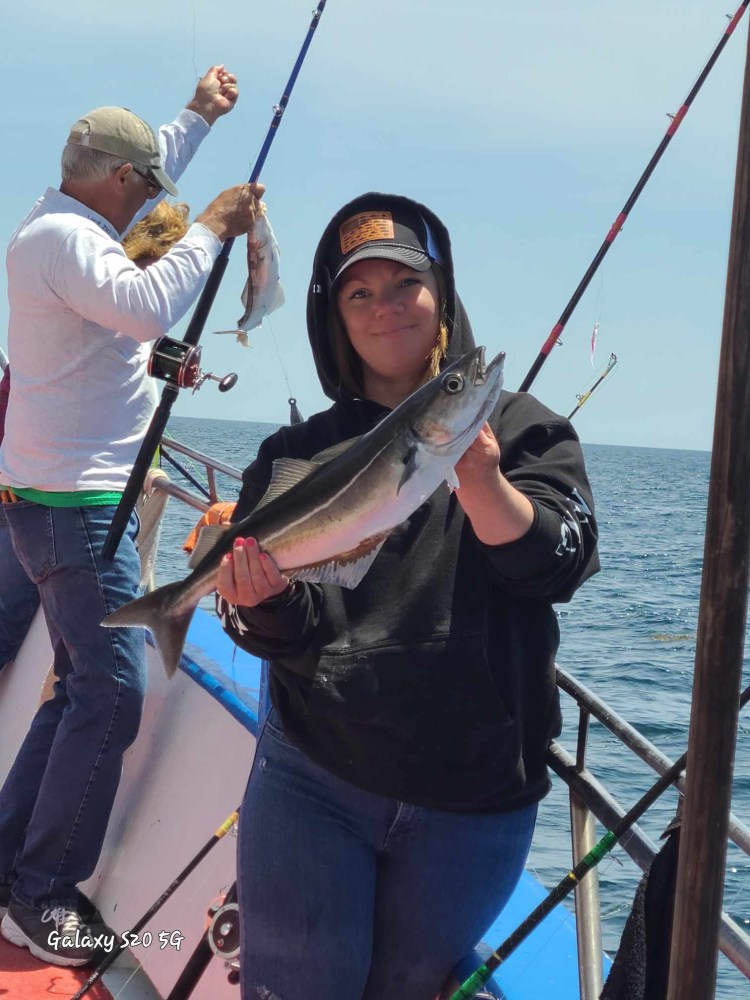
point(394, 791)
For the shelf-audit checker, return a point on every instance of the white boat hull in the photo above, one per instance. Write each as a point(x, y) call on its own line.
point(183, 776)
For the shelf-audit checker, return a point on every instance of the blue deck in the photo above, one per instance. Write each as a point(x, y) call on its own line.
point(544, 965)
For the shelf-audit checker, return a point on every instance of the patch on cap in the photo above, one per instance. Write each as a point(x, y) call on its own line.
point(364, 228)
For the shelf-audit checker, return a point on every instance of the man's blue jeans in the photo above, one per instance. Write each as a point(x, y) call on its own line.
point(57, 799)
point(19, 597)
point(355, 896)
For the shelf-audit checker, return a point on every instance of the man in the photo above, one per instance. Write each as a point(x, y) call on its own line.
point(77, 414)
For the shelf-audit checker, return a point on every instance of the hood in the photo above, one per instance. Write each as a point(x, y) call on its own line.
point(318, 295)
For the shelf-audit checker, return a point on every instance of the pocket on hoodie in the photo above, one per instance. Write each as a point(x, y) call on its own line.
point(437, 692)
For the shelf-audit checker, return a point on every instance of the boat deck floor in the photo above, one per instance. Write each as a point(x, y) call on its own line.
point(23, 977)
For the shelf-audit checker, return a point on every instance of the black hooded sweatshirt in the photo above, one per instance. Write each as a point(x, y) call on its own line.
point(433, 681)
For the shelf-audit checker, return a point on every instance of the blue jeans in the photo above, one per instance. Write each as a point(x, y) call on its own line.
point(355, 896)
point(19, 597)
point(56, 801)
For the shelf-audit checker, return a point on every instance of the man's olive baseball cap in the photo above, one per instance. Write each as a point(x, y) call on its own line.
point(125, 135)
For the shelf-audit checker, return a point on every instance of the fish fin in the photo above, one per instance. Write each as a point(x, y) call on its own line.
point(211, 535)
point(410, 467)
point(345, 570)
point(287, 472)
point(328, 454)
point(164, 615)
point(451, 480)
point(241, 336)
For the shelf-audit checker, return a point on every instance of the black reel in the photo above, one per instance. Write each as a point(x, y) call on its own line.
point(178, 363)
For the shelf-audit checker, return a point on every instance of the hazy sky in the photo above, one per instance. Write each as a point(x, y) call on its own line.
point(524, 126)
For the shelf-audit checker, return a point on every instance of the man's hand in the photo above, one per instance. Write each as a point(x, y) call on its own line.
point(215, 95)
point(233, 212)
point(248, 577)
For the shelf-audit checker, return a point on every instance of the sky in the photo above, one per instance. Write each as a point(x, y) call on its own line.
point(523, 126)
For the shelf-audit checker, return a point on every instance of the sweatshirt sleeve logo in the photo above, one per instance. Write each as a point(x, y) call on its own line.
point(229, 616)
point(571, 538)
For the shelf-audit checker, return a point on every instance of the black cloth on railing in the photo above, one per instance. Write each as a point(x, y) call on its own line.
point(641, 967)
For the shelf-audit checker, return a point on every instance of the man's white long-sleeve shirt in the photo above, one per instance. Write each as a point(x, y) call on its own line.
point(80, 404)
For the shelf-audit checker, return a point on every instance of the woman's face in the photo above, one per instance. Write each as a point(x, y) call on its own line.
point(392, 317)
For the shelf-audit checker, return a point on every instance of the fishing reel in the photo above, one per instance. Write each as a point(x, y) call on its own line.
point(224, 937)
point(178, 363)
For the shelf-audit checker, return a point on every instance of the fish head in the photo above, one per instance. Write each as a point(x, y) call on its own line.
point(451, 408)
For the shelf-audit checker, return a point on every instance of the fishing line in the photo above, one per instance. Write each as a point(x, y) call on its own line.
point(189, 343)
point(675, 121)
point(163, 454)
point(195, 66)
point(598, 314)
point(278, 354)
point(127, 982)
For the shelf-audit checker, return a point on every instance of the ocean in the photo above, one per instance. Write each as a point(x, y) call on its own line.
point(629, 634)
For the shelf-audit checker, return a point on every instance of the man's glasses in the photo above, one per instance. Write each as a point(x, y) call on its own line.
point(153, 187)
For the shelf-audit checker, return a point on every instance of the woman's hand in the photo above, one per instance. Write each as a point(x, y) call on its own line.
point(247, 576)
point(498, 512)
point(480, 464)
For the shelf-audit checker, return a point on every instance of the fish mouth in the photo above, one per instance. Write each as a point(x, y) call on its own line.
point(482, 372)
point(479, 375)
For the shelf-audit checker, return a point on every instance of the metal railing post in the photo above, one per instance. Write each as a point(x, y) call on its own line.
point(588, 924)
point(588, 919)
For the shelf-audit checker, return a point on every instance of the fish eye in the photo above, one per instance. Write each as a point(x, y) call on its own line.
point(453, 383)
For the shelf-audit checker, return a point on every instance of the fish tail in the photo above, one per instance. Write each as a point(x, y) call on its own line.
point(165, 615)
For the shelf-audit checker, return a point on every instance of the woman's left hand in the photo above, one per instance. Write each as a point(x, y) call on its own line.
point(498, 512)
point(481, 462)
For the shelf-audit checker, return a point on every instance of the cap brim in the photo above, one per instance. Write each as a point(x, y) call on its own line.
point(164, 181)
point(415, 259)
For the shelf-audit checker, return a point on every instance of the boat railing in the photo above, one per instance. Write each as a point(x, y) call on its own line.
point(210, 468)
point(589, 798)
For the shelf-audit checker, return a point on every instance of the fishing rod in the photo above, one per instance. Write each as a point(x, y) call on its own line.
point(584, 397)
point(138, 926)
point(221, 937)
point(470, 987)
point(676, 121)
point(177, 360)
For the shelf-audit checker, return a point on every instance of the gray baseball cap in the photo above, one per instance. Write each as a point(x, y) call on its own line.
point(125, 135)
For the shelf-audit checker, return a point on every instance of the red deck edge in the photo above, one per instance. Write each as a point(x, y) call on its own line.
point(23, 977)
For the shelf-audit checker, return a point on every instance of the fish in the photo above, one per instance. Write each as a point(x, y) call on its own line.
point(262, 293)
point(324, 520)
